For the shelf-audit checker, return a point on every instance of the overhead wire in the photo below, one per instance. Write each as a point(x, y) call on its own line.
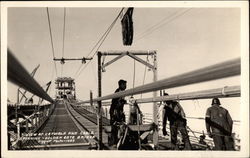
point(64, 21)
point(51, 39)
point(100, 42)
point(160, 24)
point(153, 26)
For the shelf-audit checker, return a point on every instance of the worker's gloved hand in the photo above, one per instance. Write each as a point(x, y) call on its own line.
point(164, 132)
point(210, 134)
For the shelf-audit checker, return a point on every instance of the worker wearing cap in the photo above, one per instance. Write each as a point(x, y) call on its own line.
point(220, 122)
point(116, 112)
point(177, 121)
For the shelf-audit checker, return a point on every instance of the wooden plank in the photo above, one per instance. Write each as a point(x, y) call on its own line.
point(134, 52)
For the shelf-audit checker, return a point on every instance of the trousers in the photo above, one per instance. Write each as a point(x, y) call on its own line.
point(223, 142)
point(174, 128)
point(114, 122)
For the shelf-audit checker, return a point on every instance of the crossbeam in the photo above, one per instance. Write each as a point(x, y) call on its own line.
point(62, 60)
point(113, 60)
point(59, 59)
point(23, 93)
point(135, 52)
point(217, 71)
point(141, 61)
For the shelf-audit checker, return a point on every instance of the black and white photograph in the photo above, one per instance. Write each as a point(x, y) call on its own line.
point(125, 79)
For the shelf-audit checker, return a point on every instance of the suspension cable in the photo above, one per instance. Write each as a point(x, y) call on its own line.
point(101, 40)
point(64, 21)
point(51, 39)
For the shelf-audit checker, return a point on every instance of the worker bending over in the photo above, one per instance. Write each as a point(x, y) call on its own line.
point(174, 113)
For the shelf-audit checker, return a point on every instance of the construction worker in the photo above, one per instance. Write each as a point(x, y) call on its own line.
point(134, 112)
point(116, 112)
point(219, 120)
point(173, 112)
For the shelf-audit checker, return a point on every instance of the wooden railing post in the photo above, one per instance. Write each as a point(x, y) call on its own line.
point(99, 111)
point(155, 106)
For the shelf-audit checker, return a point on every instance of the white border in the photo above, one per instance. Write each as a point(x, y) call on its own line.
point(77, 153)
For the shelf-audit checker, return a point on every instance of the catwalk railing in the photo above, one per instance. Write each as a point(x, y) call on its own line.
point(31, 123)
point(217, 71)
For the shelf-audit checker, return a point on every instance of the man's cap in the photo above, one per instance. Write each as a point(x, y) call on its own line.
point(215, 101)
point(121, 81)
point(168, 101)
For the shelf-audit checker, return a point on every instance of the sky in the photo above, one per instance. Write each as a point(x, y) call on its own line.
point(185, 39)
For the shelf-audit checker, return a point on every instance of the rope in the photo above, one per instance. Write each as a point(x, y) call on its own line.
point(134, 75)
point(145, 70)
point(51, 39)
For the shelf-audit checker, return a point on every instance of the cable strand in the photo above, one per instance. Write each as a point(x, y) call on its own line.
point(51, 39)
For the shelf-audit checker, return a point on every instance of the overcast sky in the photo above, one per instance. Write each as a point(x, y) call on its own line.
point(185, 39)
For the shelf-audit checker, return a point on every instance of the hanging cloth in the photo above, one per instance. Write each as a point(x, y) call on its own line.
point(127, 27)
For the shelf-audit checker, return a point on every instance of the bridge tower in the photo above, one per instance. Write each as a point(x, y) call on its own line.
point(65, 88)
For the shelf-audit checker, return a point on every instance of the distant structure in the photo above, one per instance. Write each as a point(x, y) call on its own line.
point(65, 88)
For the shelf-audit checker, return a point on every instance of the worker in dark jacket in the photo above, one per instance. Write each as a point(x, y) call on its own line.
point(219, 120)
point(116, 112)
point(177, 121)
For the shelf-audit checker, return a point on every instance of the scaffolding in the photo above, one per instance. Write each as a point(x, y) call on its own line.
point(65, 88)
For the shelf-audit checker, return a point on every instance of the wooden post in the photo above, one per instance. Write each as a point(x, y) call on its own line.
point(18, 131)
point(155, 106)
point(91, 102)
point(36, 116)
point(99, 112)
point(138, 124)
point(16, 116)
